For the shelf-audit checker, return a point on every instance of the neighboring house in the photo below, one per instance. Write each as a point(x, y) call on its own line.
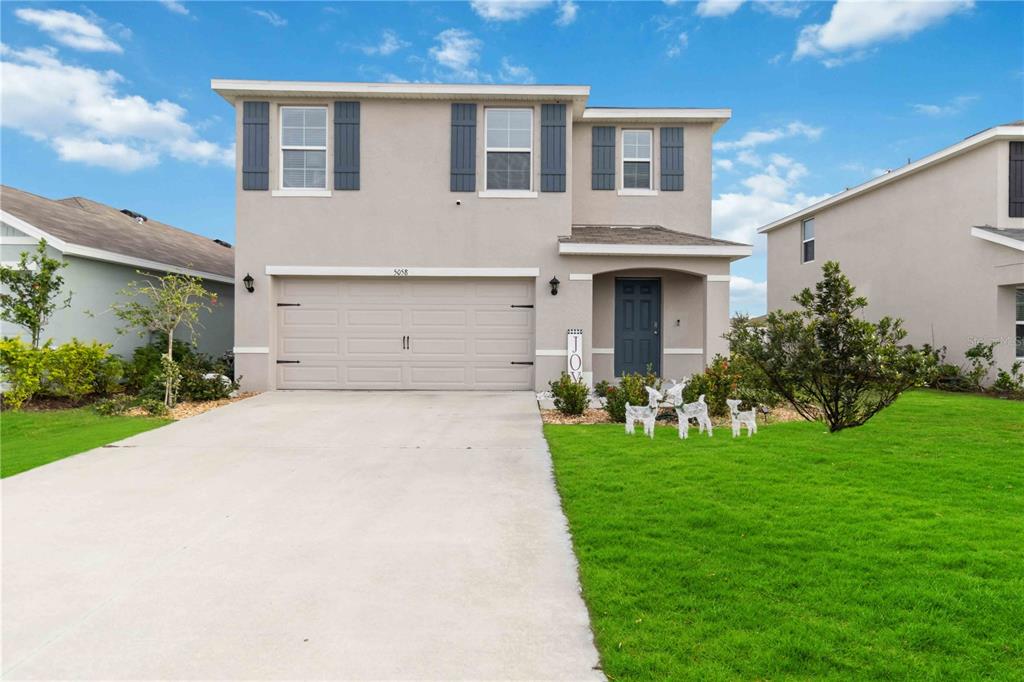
point(403, 235)
point(938, 242)
point(105, 248)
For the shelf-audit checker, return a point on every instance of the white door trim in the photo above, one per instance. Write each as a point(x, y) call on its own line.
point(391, 271)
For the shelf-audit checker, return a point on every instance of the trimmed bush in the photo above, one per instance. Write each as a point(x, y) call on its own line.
point(75, 370)
point(21, 368)
point(570, 396)
point(631, 389)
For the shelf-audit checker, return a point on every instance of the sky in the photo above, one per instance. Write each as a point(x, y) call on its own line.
point(112, 100)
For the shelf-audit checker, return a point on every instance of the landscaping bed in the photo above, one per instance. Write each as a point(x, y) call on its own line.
point(890, 550)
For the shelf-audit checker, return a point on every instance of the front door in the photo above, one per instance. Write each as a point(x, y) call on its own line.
point(637, 325)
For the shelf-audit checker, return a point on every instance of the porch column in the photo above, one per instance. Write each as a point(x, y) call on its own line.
point(716, 316)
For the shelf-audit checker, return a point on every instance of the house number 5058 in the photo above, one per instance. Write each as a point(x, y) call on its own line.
point(401, 272)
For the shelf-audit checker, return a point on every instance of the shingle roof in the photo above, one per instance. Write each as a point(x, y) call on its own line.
point(84, 222)
point(639, 234)
point(1011, 232)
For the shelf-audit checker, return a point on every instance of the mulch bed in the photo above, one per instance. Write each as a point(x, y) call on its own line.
point(667, 416)
point(184, 410)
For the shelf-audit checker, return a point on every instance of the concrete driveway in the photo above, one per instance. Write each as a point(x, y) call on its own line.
point(296, 535)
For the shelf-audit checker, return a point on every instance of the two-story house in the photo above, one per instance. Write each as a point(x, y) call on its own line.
point(426, 236)
point(938, 242)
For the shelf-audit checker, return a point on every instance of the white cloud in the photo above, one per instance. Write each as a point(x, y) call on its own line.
point(717, 8)
point(676, 48)
point(271, 17)
point(388, 44)
point(749, 158)
point(175, 6)
point(747, 296)
point(756, 138)
point(507, 10)
point(514, 73)
point(955, 106)
point(781, 8)
point(567, 10)
point(855, 26)
point(80, 113)
point(724, 164)
point(457, 52)
point(70, 29)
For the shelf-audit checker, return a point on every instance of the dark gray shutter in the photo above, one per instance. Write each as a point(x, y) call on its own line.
point(552, 148)
point(346, 145)
point(671, 159)
point(463, 162)
point(602, 157)
point(255, 145)
point(1016, 207)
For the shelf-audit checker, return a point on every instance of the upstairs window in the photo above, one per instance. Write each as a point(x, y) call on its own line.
point(1020, 323)
point(509, 147)
point(303, 147)
point(807, 240)
point(636, 159)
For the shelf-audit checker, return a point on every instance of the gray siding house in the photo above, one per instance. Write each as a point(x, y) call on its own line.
point(938, 242)
point(105, 249)
point(489, 237)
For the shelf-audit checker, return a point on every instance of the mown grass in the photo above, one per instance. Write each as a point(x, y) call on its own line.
point(31, 439)
point(890, 551)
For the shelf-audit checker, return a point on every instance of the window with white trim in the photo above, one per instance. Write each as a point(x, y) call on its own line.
point(807, 240)
point(636, 159)
point(1020, 323)
point(509, 148)
point(303, 147)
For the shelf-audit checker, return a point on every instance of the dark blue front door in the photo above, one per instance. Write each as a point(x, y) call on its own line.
point(637, 325)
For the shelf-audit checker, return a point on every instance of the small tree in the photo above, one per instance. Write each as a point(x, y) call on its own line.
point(828, 362)
point(33, 291)
point(162, 304)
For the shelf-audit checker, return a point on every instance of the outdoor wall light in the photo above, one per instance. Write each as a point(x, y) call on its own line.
point(554, 286)
point(248, 281)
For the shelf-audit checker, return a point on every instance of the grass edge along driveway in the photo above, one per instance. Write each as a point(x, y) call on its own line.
point(892, 550)
point(29, 439)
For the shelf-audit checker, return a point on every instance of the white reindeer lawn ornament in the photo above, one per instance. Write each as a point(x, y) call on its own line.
point(747, 418)
point(697, 411)
point(674, 394)
point(644, 414)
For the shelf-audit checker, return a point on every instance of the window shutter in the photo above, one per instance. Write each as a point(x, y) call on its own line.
point(552, 148)
point(602, 159)
point(346, 145)
point(463, 162)
point(255, 145)
point(671, 159)
point(1016, 208)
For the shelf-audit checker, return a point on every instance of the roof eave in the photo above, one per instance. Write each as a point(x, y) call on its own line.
point(962, 147)
point(732, 252)
point(997, 238)
point(717, 117)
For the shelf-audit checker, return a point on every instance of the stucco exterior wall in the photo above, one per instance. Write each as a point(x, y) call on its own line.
point(94, 286)
point(907, 247)
point(687, 211)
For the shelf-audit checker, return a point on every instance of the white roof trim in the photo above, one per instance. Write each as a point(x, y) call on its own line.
point(1002, 239)
point(391, 271)
point(69, 249)
point(230, 88)
point(718, 116)
point(576, 249)
point(984, 137)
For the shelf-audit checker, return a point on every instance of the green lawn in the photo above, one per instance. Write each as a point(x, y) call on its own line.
point(890, 551)
point(31, 439)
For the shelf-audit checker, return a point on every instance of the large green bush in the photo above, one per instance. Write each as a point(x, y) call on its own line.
point(570, 396)
point(21, 368)
point(71, 371)
point(631, 389)
point(145, 373)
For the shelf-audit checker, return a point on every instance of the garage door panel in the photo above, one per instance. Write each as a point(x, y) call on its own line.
point(411, 333)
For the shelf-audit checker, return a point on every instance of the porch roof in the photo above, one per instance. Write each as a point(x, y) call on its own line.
point(1007, 236)
point(649, 240)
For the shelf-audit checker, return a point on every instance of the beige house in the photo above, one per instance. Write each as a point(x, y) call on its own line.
point(938, 242)
point(424, 236)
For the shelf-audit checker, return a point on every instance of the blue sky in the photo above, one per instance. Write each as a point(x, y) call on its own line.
point(112, 100)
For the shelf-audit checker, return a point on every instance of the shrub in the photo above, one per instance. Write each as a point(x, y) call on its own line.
point(981, 358)
point(153, 407)
point(601, 389)
point(75, 370)
point(632, 390)
point(144, 367)
point(145, 375)
point(21, 368)
point(570, 396)
point(1011, 382)
point(119, 404)
point(194, 384)
point(829, 362)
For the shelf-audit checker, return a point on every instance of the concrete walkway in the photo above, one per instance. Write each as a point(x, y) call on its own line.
point(300, 535)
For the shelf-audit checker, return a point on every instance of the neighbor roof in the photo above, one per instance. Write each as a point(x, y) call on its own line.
point(1012, 131)
point(80, 226)
point(645, 240)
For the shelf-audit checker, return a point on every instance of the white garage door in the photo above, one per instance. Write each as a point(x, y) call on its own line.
point(405, 333)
